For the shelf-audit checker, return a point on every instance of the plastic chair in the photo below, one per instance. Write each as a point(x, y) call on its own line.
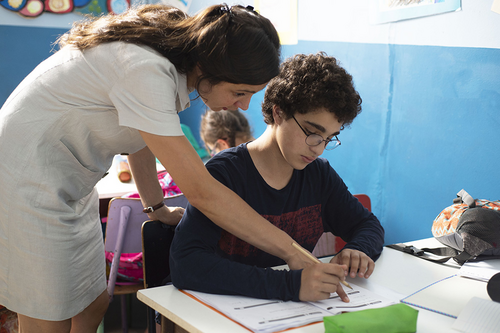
point(329, 244)
point(156, 240)
point(123, 235)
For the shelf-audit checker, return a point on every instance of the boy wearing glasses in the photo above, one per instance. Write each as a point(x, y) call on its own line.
point(282, 177)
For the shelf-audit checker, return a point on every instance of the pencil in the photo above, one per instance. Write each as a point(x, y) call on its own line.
point(315, 260)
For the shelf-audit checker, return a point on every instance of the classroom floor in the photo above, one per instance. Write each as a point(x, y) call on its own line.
point(137, 316)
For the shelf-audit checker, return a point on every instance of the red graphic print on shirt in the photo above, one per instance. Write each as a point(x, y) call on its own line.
point(305, 226)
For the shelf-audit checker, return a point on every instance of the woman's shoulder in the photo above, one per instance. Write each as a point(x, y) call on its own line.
point(128, 55)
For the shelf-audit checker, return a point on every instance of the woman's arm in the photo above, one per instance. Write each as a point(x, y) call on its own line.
point(193, 253)
point(143, 168)
point(217, 202)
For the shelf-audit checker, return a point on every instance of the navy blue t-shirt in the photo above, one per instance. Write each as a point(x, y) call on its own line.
point(206, 258)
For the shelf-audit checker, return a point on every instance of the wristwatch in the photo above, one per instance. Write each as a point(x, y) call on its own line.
point(151, 209)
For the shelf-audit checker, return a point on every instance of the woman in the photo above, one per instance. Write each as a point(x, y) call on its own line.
point(116, 86)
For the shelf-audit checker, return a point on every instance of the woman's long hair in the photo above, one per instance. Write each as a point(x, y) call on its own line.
point(231, 44)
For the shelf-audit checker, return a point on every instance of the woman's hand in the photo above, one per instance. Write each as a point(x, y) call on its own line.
point(167, 215)
point(318, 281)
point(357, 262)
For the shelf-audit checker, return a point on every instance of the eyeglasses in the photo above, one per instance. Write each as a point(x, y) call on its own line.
point(316, 139)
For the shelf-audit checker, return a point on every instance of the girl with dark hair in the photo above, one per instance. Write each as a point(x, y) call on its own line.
point(116, 86)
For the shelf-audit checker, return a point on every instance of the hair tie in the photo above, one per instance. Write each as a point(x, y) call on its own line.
point(225, 9)
point(251, 10)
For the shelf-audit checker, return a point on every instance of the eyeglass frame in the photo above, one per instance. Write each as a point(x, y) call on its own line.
point(327, 141)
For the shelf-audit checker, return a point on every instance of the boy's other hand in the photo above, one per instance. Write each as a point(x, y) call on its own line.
point(318, 281)
point(357, 262)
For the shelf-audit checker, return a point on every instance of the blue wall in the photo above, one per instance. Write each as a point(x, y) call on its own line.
point(429, 125)
point(22, 49)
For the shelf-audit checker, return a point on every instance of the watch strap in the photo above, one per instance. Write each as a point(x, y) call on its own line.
point(151, 209)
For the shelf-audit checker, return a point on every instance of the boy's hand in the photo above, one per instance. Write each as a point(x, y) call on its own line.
point(318, 281)
point(358, 263)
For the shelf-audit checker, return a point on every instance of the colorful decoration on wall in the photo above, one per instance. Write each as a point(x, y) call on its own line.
point(34, 8)
point(98, 7)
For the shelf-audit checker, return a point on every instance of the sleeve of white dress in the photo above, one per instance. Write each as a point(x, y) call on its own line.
point(146, 97)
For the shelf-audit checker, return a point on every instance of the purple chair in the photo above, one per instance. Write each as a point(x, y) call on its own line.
point(123, 235)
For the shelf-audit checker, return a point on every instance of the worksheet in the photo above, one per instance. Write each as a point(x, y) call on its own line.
point(260, 315)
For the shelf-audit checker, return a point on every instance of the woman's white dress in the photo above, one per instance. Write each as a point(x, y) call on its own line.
point(59, 131)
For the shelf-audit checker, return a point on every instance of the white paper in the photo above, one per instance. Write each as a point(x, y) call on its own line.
point(260, 315)
point(480, 270)
point(479, 316)
point(448, 296)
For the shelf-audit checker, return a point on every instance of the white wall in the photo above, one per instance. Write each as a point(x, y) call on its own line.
point(348, 21)
point(476, 25)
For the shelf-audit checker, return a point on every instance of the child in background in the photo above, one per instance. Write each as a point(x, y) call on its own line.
point(281, 176)
point(219, 130)
point(224, 129)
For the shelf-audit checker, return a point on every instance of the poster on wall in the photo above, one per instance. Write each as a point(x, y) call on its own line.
point(384, 11)
point(283, 15)
point(496, 6)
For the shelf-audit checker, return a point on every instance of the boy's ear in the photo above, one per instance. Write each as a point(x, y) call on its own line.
point(277, 114)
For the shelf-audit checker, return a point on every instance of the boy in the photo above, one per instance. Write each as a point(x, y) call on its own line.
point(281, 177)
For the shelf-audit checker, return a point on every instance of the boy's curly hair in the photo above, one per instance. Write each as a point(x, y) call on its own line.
point(309, 82)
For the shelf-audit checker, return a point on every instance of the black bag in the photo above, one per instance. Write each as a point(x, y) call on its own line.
point(469, 228)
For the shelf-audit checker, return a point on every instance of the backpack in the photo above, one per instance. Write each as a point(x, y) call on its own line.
point(470, 229)
point(130, 267)
point(469, 226)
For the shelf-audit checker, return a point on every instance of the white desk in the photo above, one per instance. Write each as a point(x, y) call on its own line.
point(110, 186)
point(395, 271)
